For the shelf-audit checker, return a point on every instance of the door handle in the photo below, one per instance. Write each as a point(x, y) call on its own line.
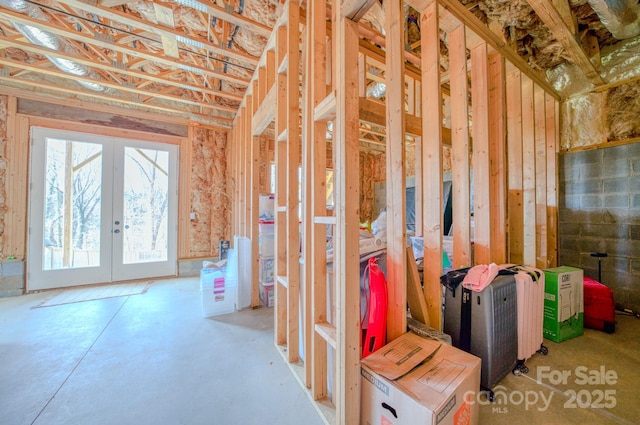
point(116, 222)
point(116, 231)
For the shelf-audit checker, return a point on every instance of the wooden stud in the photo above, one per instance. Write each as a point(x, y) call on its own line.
point(281, 195)
point(460, 148)
point(256, 156)
point(184, 194)
point(396, 188)
point(481, 165)
point(541, 177)
point(514, 166)
point(419, 191)
point(293, 163)
point(528, 174)
point(432, 162)
point(551, 111)
point(497, 158)
point(346, 247)
point(317, 259)
point(16, 178)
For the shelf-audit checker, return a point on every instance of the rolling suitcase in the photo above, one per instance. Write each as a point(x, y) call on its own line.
point(485, 324)
point(599, 306)
point(530, 294)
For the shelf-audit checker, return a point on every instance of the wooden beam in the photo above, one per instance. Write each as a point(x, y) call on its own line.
point(346, 248)
point(318, 258)
point(432, 161)
point(395, 160)
point(57, 88)
point(184, 194)
point(541, 177)
point(141, 24)
point(415, 296)
point(474, 24)
point(266, 112)
point(16, 178)
point(558, 27)
point(481, 164)
point(356, 9)
point(116, 86)
point(460, 148)
point(514, 167)
point(551, 111)
point(497, 158)
point(528, 173)
point(230, 16)
point(293, 145)
point(373, 112)
point(8, 42)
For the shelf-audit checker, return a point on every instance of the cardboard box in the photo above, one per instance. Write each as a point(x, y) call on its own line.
point(414, 380)
point(563, 303)
point(267, 295)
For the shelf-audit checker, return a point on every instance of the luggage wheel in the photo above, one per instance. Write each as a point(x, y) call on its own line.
point(491, 397)
point(520, 368)
point(543, 350)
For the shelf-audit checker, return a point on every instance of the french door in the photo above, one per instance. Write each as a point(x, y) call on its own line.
point(101, 209)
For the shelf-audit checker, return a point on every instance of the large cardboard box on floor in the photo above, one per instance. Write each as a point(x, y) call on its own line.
point(563, 303)
point(418, 381)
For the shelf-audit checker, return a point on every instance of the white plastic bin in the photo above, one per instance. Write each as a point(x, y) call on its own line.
point(218, 293)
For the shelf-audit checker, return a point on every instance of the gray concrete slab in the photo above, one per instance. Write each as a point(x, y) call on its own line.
point(143, 359)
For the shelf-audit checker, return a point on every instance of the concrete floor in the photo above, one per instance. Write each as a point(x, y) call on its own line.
point(143, 359)
point(153, 359)
point(553, 399)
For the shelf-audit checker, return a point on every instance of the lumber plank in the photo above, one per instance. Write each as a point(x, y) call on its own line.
point(460, 148)
point(293, 162)
point(396, 187)
point(514, 166)
point(481, 165)
point(528, 173)
point(497, 158)
point(551, 111)
point(541, 177)
point(415, 296)
point(432, 162)
point(346, 246)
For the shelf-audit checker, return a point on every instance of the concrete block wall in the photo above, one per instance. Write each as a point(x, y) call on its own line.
point(599, 199)
point(11, 278)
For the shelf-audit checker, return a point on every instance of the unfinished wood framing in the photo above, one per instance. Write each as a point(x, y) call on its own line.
point(509, 124)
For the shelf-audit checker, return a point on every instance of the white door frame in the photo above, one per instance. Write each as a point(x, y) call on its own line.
point(37, 277)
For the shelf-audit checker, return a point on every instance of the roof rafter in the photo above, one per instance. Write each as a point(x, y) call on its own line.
point(566, 37)
point(137, 23)
point(110, 43)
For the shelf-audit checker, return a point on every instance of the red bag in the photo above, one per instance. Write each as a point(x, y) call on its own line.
point(599, 306)
point(375, 333)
